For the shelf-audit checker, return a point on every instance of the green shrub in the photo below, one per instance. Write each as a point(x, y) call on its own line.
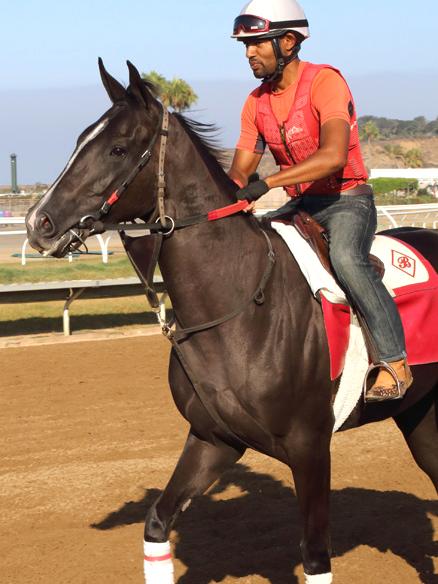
point(383, 186)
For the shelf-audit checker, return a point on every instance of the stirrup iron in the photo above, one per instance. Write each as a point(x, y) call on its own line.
point(391, 371)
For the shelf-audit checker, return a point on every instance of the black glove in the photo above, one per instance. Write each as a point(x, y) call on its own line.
point(253, 191)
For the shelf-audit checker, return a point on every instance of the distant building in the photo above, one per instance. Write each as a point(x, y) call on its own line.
point(427, 177)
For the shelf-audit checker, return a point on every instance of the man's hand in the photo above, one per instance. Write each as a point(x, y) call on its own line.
point(253, 191)
point(254, 177)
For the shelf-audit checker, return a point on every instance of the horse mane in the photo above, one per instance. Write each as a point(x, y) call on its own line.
point(204, 137)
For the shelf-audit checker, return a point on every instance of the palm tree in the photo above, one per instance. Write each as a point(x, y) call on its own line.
point(181, 95)
point(176, 94)
point(159, 83)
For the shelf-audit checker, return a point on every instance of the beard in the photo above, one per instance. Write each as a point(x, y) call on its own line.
point(259, 69)
point(259, 74)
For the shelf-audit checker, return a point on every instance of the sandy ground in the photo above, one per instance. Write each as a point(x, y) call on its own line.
point(90, 436)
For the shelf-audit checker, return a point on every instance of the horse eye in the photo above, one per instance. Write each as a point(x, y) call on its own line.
point(118, 151)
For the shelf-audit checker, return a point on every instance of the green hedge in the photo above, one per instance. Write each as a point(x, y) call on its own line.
point(382, 186)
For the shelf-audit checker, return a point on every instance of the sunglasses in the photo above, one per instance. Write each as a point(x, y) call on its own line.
point(249, 24)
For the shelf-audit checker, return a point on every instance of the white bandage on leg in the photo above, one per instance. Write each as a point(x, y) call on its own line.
point(319, 578)
point(158, 565)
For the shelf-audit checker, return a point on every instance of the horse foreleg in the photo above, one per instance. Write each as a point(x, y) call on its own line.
point(310, 463)
point(200, 464)
point(419, 426)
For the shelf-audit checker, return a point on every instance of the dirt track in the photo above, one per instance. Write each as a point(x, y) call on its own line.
point(90, 435)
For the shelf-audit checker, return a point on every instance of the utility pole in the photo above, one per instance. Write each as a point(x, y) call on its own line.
point(14, 183)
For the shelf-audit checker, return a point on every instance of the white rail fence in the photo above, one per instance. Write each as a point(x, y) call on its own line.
point(8, 221)
point(410, 215)
point(389, 216)
point(69, 291)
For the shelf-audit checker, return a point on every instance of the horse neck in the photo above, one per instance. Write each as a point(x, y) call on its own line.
point(213, 265)
point(196, 183)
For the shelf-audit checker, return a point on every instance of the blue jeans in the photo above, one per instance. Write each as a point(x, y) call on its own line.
point(351, 221)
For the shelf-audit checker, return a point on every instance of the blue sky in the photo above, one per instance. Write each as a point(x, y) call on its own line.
point(49, 80)
point(52, 43)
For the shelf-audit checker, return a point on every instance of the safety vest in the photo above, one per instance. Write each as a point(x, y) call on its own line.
point(298, 138)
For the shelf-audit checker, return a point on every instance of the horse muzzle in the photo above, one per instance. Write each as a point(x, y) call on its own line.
point(50, 243)
point(67, 243)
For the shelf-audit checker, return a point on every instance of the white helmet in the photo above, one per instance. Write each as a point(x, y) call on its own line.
point(270, 18)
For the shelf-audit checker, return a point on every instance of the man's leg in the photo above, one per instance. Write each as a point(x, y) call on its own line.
point(351, 223)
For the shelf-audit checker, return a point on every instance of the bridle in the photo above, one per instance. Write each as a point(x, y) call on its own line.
point(165, 226)
point(162, 131)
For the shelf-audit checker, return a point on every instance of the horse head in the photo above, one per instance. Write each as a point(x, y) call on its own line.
point(105, 154)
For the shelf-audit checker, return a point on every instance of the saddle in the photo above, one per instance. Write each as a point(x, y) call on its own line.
point(316, 236)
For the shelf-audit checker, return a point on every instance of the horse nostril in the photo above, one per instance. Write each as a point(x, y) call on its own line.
point(46, 226)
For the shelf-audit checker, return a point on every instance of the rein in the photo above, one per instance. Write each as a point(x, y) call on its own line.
point(175, 224)
point(258, 297)
point(178, 335)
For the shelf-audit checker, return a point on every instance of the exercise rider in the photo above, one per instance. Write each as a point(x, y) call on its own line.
point(305, 113)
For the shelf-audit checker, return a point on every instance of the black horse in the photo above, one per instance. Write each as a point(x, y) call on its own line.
point(260, 379)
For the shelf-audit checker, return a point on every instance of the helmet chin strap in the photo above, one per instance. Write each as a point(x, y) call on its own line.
point(282, 61)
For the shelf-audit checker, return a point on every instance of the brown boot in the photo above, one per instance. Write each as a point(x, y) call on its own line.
point(392, 382)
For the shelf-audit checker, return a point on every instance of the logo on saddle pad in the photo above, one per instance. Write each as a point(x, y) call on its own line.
point(404, 263)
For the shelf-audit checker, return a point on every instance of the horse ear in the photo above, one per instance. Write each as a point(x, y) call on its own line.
point(115, 90)
point(137, 86)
